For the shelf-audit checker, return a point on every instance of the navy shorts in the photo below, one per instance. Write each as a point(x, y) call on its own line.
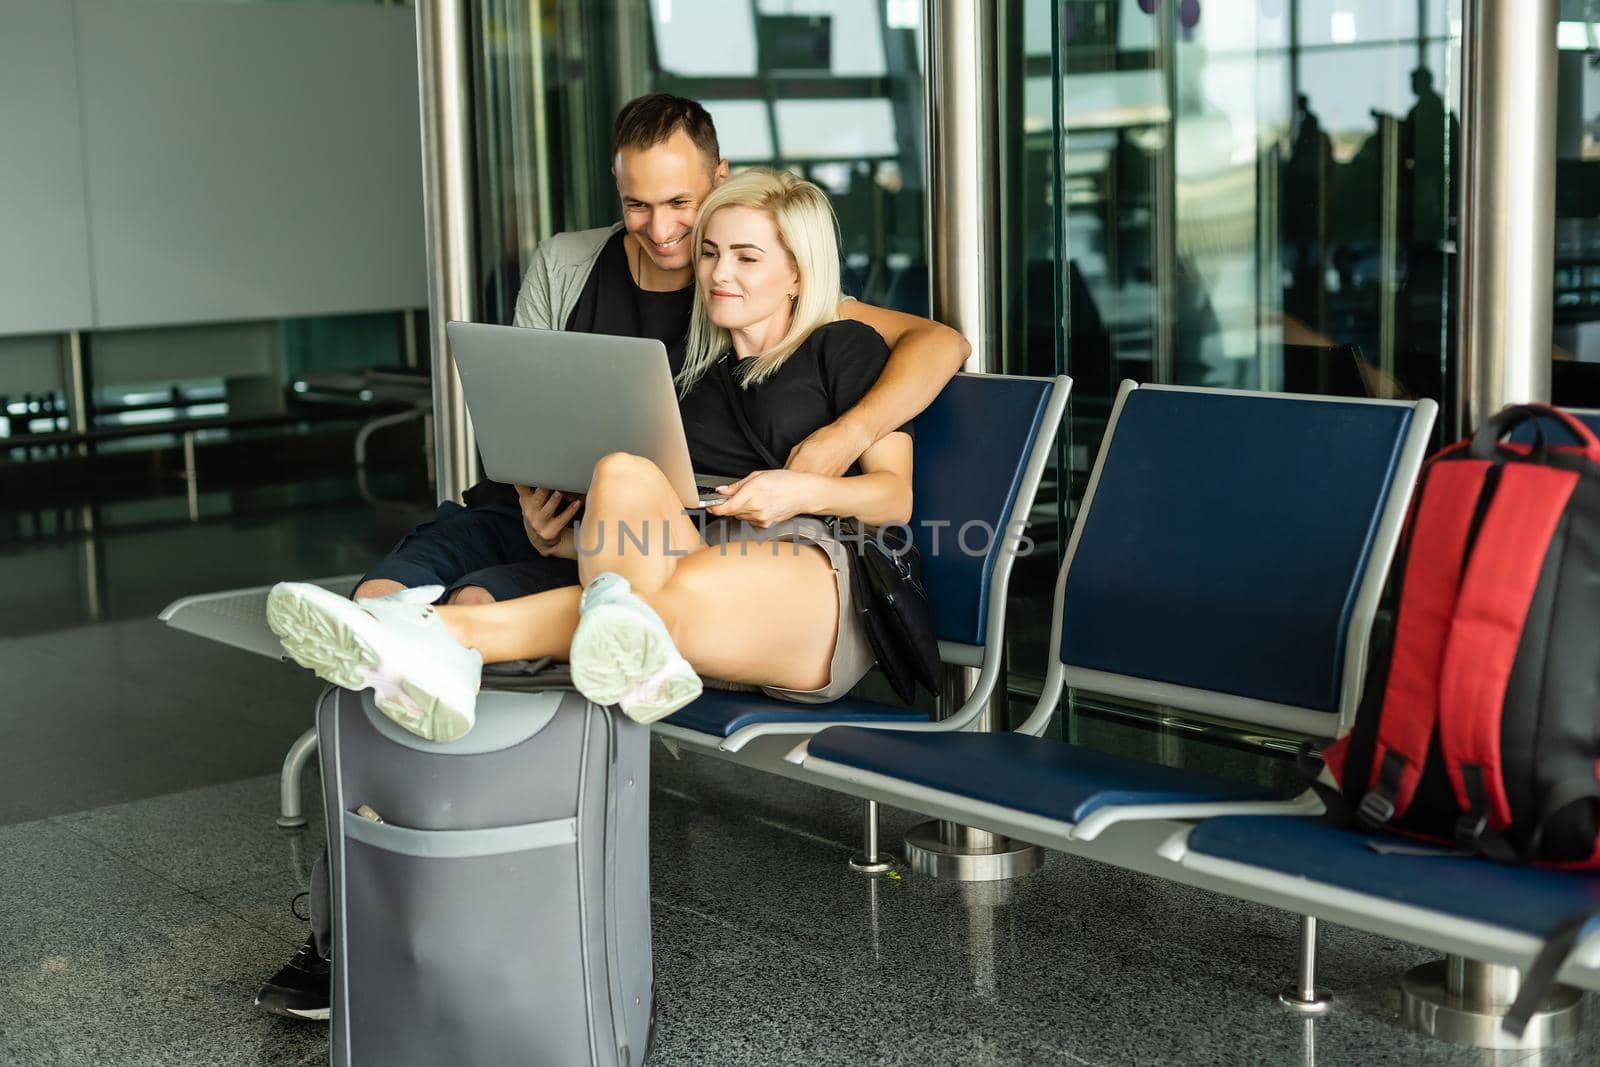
point(484, 546)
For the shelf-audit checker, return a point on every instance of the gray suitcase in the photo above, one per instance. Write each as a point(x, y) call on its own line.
point(500, 911)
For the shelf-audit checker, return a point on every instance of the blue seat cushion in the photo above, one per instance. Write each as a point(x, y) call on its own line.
point(1528, 899)
point(719, 712)
point(1028, 774)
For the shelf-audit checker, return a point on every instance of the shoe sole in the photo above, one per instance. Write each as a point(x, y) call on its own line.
point(315, 1015)
point(614, 649)
point(675, 692)
point(322, 632)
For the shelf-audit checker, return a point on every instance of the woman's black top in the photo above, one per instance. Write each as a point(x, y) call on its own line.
point(826, 376)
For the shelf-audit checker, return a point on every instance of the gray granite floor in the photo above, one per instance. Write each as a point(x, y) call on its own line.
point(136, 934)
point(145, 890)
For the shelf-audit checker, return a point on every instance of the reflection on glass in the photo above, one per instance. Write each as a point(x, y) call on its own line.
point(1252, 194)
point(704, 40)
point(744, 130)
point(836, 129)
point(1259, 194)
point(1575, 378)
point(831, 89)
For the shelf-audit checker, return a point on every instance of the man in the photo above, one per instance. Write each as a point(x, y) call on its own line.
point(636, 279)
point(633, 279)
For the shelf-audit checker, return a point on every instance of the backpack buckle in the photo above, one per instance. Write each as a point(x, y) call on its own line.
point(1470, 829)
point(1375, 809)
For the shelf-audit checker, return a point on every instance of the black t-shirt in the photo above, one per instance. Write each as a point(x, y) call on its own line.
point(612, 303)
point(825, 377)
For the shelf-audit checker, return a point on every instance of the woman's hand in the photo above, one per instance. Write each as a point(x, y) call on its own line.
point(763, 498)
point(546, 522)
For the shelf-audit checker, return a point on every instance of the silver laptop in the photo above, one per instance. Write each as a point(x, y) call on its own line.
point(547, 405)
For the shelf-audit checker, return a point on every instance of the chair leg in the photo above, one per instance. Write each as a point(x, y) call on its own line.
point(289, 816)
point(1303, 996)
point(1466, 1002)
point(869, 860)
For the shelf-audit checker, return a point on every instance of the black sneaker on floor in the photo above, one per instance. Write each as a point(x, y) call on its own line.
point(301, 990)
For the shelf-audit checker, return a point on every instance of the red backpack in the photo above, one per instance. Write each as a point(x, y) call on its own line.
point(1480, 722)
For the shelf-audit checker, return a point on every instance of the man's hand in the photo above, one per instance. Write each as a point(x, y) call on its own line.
point(545, 520)
point(763, 498)
point(830, 450)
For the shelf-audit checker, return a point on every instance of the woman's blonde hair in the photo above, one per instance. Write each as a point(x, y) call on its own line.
point(806, 227)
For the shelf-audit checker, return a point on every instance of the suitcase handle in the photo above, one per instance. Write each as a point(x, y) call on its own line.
point(1501, 424)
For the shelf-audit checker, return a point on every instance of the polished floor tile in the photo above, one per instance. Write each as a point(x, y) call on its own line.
point(95, 715)
point(138, 932)
point(145, 891)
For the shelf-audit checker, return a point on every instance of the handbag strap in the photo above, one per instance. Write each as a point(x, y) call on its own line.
point(724, 374)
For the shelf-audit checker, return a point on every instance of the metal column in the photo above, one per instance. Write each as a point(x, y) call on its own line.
point(964, 174)
point(964, 254)
point(1507, 265)
point(1464, 1002)
point(445, 77)
point(1507, 204)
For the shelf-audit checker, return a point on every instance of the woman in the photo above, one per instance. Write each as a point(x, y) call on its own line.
point(760, 596)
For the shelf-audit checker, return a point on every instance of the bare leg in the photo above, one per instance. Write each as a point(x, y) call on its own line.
point(525, 628)
point(633, 524)
point(719, 609)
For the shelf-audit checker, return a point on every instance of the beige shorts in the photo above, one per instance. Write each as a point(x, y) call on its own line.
point(852, 654)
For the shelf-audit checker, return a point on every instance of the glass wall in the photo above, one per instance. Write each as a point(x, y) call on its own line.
point(831, 89)
point(1256, 195)
point(1575, 375)
point(1253, 194)
point(1250, 194)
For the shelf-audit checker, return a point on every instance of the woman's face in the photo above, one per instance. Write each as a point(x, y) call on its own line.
point(744, 271)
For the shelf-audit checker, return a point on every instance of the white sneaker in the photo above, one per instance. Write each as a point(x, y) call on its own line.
point(622, 654)
point(397, 646)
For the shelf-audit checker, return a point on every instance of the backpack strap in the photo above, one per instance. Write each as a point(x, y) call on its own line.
point(1563, 795)
point(1490, 612)
point(1503, 422)
point(1443, 526)
point(1541, 974)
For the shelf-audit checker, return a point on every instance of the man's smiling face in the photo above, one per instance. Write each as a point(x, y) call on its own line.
point(661, 189)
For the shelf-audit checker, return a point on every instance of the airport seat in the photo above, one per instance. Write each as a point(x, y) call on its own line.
point(1277, 537)
point(1462, 905)
point(981, 449)
point(1227, 561)
point(1457, 904)
point(1327, 860)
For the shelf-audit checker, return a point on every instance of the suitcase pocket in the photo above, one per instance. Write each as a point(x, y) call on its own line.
point(462, 940)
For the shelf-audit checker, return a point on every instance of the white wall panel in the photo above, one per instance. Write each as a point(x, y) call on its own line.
point(250, 161)
point(44, 249)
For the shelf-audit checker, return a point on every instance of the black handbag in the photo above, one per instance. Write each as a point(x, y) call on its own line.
point(885, 581)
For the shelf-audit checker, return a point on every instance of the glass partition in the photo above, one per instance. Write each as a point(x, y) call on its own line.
point(1252, 194)
point(1575, 375)
point(1249, 194)
point(831, 89)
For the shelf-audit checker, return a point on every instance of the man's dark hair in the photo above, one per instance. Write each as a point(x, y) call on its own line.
point(647, 121)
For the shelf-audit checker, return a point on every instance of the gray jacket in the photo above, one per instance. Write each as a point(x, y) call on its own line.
point(555, 279)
